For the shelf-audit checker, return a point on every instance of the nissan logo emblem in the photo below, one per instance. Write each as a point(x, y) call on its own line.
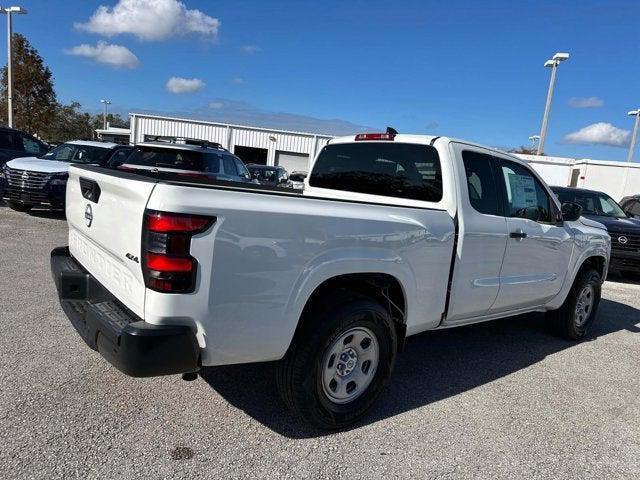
point(623, 239)
point(88, 215)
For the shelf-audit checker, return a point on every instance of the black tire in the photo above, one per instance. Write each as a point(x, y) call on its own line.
point(299, 373)
point(19, 207)
point(568, 322)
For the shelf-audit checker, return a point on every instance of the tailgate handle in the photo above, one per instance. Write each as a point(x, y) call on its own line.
point(90, 189)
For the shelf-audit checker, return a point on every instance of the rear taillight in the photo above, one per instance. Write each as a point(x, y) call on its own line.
point(166, 239)
point(375, 136)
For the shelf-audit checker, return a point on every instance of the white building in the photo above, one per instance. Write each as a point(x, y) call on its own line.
point(292, 150)
point(113, 134)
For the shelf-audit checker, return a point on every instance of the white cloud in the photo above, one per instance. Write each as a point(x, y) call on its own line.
point(600, 134)
point(216, 105)
point(238, 81)
point(184, 85)
point(150, 20)
point(586, 102)
point(115, 56)
point(250, 49)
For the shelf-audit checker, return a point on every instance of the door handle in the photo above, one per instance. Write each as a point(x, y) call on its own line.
point(519, 234)
point(90, 189)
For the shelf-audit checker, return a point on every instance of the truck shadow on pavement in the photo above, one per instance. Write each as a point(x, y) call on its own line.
point(434, 366)
point(51, 214)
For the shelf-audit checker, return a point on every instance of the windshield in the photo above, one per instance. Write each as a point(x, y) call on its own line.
point(263, 174)
point(174, 158)
point(592, 203)
point(72, 153)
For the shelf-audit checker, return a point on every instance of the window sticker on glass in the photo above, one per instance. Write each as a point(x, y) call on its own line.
point(523, 191)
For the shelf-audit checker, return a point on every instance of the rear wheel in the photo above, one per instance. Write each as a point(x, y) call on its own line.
point(19, 207)
point(339, 362)
point(578, 312)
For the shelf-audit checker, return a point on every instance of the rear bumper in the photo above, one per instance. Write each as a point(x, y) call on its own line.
point(133, 346)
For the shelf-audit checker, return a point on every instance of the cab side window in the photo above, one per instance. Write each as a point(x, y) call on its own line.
point(634, 208)
point(481, 182)
point(31, 145)
point(242, 170)
point(119, 157)
point(525, 195)
point(229, 166)
point(10, 141)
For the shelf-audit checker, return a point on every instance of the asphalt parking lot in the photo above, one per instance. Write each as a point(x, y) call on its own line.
point(500, 400)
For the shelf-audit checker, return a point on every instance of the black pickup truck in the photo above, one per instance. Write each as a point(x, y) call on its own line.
point(623, 228)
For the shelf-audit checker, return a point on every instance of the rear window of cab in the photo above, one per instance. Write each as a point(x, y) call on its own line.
point(401, 170)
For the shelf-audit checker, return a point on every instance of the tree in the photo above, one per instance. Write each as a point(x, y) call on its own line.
point(114, 120)
point(524, 150)
point(69, 123)
point(34, 100)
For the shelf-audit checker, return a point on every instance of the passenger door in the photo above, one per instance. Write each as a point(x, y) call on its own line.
point(539, 247)
point(482, 237)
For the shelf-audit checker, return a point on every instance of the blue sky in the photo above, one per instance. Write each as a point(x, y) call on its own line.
point(467, 69)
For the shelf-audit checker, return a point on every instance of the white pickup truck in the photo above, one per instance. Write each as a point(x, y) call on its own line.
point(393, 235)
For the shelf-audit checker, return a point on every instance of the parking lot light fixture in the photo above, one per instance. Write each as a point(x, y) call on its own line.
point(534, 139)
point(104, 114)
point(634, 135)
point(553, 64)
point(8, 11)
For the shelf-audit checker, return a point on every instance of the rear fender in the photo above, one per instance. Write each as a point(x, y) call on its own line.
point(347, 261)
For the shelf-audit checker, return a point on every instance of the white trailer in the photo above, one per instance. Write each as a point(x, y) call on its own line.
point(554, 170)
point(616, 179)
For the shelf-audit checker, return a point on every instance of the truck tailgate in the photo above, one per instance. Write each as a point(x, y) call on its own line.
point(105, 211)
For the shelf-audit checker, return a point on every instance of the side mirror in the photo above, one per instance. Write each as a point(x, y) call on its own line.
point(571, 211)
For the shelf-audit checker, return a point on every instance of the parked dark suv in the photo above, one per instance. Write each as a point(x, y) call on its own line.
point(16, 143)
point(624, 231)
point(191, 158)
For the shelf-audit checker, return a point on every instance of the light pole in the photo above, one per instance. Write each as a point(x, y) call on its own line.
point(8, 11)
point(553, 63)
point(104, 114)
point(634, 135)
